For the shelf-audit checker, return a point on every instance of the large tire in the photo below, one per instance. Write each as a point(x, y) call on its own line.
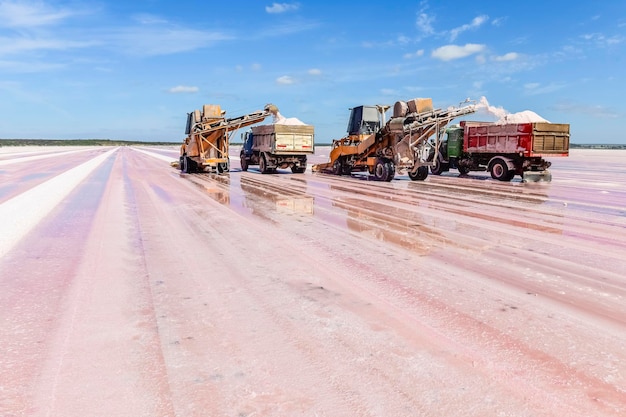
point(463, 170)
point(420, 175)
point(190, 166)
point(298, 170)
point(439, 166)
point(392, 170)
point(223, 167)
point(263, 165)
point(243, 161)
point(500, 170)
point(337, 167)
point(181, 163)
point(381, 170)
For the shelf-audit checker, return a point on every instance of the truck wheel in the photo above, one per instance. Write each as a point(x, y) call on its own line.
point(223, 167)
point(463, 170)
point(181, 163)
point(263, 165)
point(439, 166)
point(500, 170)
point(244, 162)
point(420, 174)
point(297, 170)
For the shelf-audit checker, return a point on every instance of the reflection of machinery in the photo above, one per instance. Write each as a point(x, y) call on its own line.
point(384, 148)
point(393, 225)
point(264, 199)
point(505, 150)
point(205, 148)
point(277, 146)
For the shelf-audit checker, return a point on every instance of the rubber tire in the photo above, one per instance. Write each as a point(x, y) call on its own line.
point(263, 165)
point(223, 167)
point(500, 170)
point(337, 167)
point(381, 170)
point(190, 166)
point(298, 170)
point(463, 170)
point(391, 169)
point(439, 166)
point(420, 175)
point(244, 162)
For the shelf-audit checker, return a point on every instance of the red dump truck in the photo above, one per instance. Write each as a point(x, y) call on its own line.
point(505, 150)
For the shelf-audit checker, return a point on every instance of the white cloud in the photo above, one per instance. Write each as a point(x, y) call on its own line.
point(285, 80)
point(314, 71)
point(22, 44)
point(450, 52)
point(511, 56)
point(281, 7)
point(256, 67)
point(424, 22)
point(161, 40)
point(21, 14)
point(415, 54)
point(533, 89)
point(476, 23)
point(183, 89)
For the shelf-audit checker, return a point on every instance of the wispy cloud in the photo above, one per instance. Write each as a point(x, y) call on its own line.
point(285, 80)
point(282, 7)
point(451, 52)
point(511, 56)
point(532, 89)
point(184, 89)
point(22, 14)
point(476, 23)
point(156, 40)
point(597, 111)
point(424, 21)
point(415, 54)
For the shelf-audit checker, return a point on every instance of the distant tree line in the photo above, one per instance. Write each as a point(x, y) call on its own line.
point(597, 146)
point(78, 142)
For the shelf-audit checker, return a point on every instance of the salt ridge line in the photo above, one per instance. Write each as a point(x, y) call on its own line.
point(23, 212)
point(156, 155)
point(36, 157)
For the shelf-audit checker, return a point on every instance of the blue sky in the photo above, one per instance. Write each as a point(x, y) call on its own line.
point(133, 69)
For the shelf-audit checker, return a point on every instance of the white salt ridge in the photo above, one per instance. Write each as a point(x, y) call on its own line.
point(29, 208)
point(279, 119)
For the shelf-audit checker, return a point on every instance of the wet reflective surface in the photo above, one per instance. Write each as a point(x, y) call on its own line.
point(311, 294)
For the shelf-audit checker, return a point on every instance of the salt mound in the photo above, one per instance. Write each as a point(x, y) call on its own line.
point(526, 116)
point(505, 117)
point(279, 119)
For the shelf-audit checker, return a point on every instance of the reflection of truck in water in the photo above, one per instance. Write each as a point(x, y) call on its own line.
point(277, 146)
point(505, 150)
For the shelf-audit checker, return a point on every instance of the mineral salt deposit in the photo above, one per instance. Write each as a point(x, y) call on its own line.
point(279, 119)
point(504, 117)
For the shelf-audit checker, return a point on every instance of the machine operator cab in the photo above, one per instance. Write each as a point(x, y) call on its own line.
point(365, 120)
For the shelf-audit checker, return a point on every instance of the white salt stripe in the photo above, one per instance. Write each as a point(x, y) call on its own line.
point(22, 213)
point(156, 155)
point(36, 157)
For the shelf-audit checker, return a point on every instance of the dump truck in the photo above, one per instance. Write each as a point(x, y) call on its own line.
point(505, 150)
point(277, 146)
point(206, 146)
point(399, 145)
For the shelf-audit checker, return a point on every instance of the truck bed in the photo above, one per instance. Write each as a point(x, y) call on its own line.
point(529, 139)
point(284, 139)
